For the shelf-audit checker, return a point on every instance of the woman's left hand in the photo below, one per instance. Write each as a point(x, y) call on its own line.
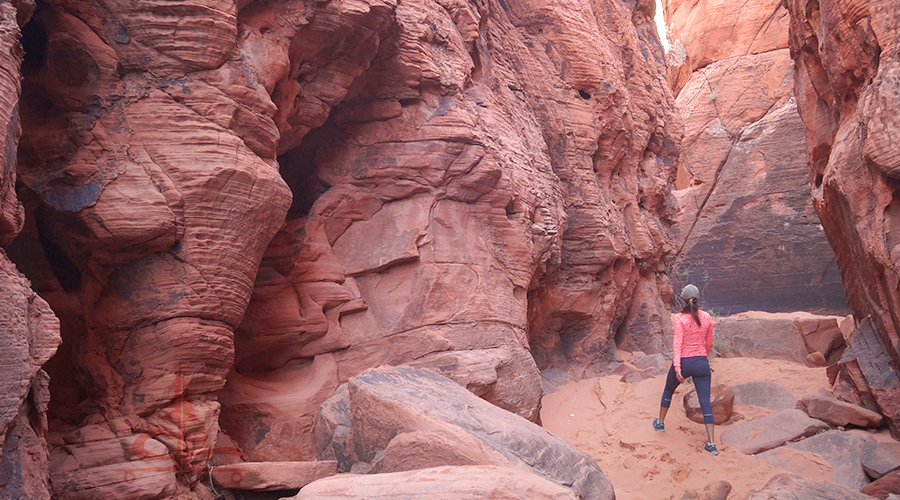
point(679, 376)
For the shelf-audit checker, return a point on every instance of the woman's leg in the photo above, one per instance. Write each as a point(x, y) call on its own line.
point(698, 368)
point(671, 384)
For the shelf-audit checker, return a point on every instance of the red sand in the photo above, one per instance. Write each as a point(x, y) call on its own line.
point(610, 421)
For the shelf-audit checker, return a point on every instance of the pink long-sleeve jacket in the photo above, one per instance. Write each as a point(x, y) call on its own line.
point(691, 339)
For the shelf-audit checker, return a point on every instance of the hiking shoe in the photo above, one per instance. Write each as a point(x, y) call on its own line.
point(711, 447)
point(659, 426)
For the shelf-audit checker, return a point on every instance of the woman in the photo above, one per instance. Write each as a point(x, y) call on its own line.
point(690, 348)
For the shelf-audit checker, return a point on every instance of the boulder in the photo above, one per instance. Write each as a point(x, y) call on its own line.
point(272, 476)
point(721, 398)
point(657, 363)
point(798, 462)
point(771, 431)
point(815, 359)
point(718, 490)
point(880, 458)
point(884, 487)
point(452, 483)
point(759, 335)
point(393, 419)
point(765, 394)
point(822, 335)
point(838, 413)
point(787, 486)
point(843, 451)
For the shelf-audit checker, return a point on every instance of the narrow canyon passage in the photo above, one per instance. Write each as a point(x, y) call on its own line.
point(219, 217)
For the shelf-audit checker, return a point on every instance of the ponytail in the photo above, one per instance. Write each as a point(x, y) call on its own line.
point(690, 306)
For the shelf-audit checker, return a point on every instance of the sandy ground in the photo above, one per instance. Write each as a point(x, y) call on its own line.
point(611, 421)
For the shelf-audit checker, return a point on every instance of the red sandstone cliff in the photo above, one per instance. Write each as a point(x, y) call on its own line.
point(847, 84)
point(283, 194)
point(746, 231)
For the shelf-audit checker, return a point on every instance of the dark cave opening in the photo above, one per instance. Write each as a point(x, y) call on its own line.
point(300, 172)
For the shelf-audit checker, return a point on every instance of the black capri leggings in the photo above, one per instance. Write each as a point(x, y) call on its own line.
point(698, 368)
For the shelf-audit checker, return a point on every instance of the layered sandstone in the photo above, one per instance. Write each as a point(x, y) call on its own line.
point(486, 200)
point(478, 188)
point(747, 233)
point(847, 85)
point(29, 331)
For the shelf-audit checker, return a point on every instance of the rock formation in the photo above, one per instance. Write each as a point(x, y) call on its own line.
point(285, 194)
point(29, 331)
point(747, 233)
point(847, 85)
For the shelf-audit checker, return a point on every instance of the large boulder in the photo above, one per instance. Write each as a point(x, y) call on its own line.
point(765, 394)
point(843, 451)
point(393, 419)
point(847, 88)
point(452, 483)
point(771, 431)
point(787, 486)
point(759, 335)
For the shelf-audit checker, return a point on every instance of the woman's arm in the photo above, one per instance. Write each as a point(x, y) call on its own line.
point(676, 343)
point(709, 337)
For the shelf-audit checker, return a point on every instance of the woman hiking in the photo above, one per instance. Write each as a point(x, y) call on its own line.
point(690, 348)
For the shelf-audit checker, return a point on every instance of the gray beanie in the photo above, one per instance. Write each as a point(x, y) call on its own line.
point(690, 292)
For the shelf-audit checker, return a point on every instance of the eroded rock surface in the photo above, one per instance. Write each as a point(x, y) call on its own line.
point(484, 201)
point(29, 331)
point(846, 83)
point(747, 233)
point(471, 193)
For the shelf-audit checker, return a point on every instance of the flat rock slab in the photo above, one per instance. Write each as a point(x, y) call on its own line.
point(765, 394)
point(880, 458)
point(393, 419)
point(448, 482)
point(787, 486)
point(771, 431)
point(271, 476)
point(843, 451)
point(839, 413)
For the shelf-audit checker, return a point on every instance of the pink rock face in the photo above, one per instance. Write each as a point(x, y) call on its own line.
point(473, 193)
point(29, 334)
point(747, 232)
point(11, 212)
point(846, 83)
point(706, 31)
point(483, 200)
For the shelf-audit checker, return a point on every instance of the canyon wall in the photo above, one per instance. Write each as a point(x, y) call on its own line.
point(847, 85)
point(29, 331)
point(747, 232)
point(234, 207)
